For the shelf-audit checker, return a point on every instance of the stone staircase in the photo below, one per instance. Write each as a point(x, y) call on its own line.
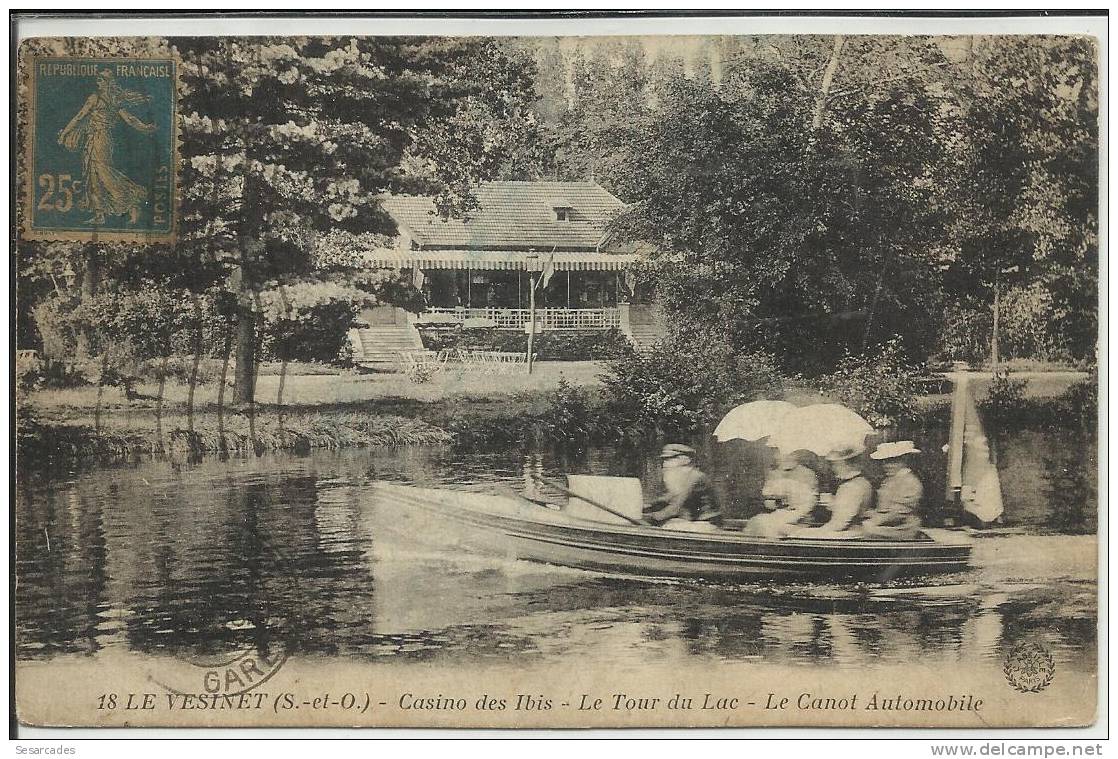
point(644, 336)
point(643, 326)
point(382, 344)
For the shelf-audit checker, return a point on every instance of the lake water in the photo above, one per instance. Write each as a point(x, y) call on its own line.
point(190, 559)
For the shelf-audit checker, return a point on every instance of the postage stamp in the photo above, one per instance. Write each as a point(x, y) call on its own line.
point(102, 149)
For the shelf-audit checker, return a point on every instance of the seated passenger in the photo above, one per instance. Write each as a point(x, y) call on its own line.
point(690, 497)
point(853, 498)
point(898, 498)
point(790, 492)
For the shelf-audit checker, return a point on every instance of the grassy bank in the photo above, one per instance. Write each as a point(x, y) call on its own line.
point(340, 410)
point(558, 403)
point(115, 439)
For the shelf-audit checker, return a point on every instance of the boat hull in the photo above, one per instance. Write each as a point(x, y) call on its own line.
point(526, 531)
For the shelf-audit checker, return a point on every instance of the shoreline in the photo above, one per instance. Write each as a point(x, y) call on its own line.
point(67, 427)
point(78, 443)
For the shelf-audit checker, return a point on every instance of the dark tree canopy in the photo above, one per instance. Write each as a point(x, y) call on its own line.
point(820, 194)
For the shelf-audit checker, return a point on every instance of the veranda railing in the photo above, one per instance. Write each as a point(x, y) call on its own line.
point(548, 318)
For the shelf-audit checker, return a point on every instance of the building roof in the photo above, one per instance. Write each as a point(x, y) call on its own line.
point(512, 216)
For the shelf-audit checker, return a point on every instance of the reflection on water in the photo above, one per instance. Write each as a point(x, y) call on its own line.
point(294, 551)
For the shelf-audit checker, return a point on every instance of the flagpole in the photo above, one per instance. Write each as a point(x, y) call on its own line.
point(531, 318)
point(532, 259)
point(544, 278)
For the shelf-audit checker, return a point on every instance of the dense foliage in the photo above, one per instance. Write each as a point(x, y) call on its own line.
point(682, 385)
point(880, 385)
point(812, 196)
point(809, 197)
point(1005, 398)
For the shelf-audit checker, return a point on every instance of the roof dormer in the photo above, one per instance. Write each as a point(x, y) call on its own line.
point(561, 209)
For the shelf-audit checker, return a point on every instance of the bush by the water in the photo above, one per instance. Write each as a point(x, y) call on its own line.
point(1080, 402)
point(1005, 397)
point(880, 384)
point(553, 345)
point(1008, 407)
point(684, 384)
point(570, 417)
point(36, 373)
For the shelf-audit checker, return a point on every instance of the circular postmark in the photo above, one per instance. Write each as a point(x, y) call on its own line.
point(1029, 667)
point(230, 673)
point(254, 650)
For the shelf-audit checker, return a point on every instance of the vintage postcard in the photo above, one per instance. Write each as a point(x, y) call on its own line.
point(549, 379)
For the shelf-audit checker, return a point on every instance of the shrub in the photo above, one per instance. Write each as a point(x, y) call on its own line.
point(316, 332)
point(569, 415)
point(420, 373)
point(965, 334)
point(879, 385)
point(299, 322)
point(684, 384)
point(1026, 320)
point(117, 365)
point(53, 321)
point(1081, 401)
point(1005, 397)
point(38, 373)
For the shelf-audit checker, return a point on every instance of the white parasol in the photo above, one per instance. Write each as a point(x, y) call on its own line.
point(821, 429)
point(752, 421)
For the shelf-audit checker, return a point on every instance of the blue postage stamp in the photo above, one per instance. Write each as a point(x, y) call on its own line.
point(102, 149)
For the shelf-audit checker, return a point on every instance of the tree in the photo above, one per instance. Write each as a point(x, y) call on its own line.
point(819, 193)
point(779, 232)
point(1027, 187)
point(285, 145)
point(287, 137)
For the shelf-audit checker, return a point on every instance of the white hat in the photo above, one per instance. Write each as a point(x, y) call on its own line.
point(893, 450)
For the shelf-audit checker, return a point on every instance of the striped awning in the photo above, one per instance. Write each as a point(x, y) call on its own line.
point(392, 258)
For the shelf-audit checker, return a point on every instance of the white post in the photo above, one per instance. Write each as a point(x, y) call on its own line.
point(531, 319)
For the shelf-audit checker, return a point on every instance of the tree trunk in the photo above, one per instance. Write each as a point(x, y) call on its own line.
point(90, 284)
point(995, 358)
point(825, 86)
point(244, 380)
point(244, 376)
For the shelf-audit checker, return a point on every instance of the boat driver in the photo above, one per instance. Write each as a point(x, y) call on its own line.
point(898, 498)
point(690, 496)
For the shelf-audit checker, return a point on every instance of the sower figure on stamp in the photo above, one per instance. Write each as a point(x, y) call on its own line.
point(690, 496)
point(899, 496)
point(106, 190)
